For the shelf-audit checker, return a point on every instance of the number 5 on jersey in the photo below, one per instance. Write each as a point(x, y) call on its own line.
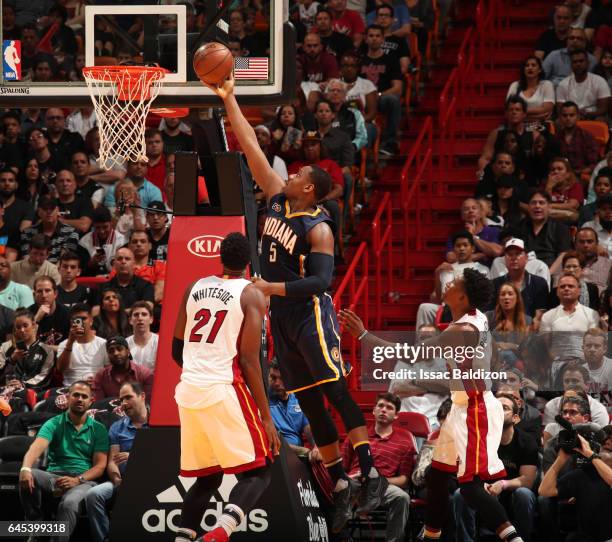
point(272, 252)
point(202, 317)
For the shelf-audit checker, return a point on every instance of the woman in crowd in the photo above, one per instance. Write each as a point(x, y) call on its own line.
point(537, 361)
point(286, 132)
point(112, 319)
point(28, 363)
point(604, 68)
point(537, 92)
point(542, 153)
point(510, 144)
point(509, 323)
point(506, 203)
point(30, 183)
point(605, 309)
point(565, 191)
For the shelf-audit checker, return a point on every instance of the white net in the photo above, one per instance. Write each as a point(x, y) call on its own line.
point(122, 97)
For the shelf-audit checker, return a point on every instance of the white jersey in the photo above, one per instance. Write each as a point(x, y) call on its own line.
point(214, 322)
point(473, 359)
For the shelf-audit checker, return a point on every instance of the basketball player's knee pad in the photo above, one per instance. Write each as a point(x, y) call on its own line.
point(490, 509)
point(338, 395)
point(322, 426)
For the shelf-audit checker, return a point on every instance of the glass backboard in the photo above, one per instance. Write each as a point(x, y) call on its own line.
point(46, 45)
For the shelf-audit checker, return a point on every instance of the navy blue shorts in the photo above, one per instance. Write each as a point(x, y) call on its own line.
point(307, 342)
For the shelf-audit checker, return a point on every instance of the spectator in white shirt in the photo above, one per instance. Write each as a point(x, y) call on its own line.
point(82, 120)
point(463, 246)
point(539, 94)
point(83, 353)
point(589, 91)
point(101, 243)
point(143, 344)
point(595, 345)
point(564, 326)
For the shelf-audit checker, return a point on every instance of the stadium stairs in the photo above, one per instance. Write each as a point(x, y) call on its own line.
point(483, 111)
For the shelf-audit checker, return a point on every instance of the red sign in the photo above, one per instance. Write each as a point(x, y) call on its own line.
point(193, 253)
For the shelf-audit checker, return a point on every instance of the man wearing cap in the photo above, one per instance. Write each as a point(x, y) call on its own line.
point(122, 369)
point(602, 223)
point(61, 236)
point(534, 289)
point(159, 231)
point(101, 243)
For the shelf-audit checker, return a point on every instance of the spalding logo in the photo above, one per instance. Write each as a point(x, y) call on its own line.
point(205, 246)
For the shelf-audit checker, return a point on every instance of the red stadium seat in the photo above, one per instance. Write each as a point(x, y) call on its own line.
point(415, 422)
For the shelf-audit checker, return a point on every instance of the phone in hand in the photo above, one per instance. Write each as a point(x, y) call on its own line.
point(21, 345)
point(78, 321)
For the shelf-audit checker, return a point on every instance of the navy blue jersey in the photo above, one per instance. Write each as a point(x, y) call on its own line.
point(284, 243)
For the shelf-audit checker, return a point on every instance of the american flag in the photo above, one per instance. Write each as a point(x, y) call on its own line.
point(251, 67)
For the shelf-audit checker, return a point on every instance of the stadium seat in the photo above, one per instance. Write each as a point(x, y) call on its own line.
point(12, 450)
point(599, 131)
point(415, 422)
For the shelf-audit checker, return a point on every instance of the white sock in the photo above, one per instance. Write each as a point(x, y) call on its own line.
point(230, 519)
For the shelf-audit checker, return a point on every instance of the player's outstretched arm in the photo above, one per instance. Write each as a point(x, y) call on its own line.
point(254, 307)
point(266, 178)
point(319, 268)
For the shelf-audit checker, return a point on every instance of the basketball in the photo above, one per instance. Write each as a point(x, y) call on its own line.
point(213, 62)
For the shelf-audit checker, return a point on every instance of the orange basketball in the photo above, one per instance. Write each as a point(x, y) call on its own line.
point(213, 62)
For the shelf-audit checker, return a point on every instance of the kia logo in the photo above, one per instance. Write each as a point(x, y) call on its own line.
point(205, 246)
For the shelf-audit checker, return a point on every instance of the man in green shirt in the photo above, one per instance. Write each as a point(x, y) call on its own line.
point(78, 449)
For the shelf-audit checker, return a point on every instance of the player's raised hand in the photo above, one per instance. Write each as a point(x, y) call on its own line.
point(351, 322)
point(272, 435)
point(223, 89)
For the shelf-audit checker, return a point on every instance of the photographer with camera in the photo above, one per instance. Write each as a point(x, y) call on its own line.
point(575, 416)
point(589, 485)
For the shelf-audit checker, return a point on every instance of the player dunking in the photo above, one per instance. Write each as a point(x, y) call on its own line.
point(297, 261)
point(471, 434)
point(221, 431)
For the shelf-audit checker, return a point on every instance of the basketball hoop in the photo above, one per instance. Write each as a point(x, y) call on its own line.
point(122, 97)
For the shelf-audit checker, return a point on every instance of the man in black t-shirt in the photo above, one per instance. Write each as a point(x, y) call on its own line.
point(18, 214)
point(159, 231)
point(333, 42)
point(69, 291)
point(554, 38)
point(86, 187)
point(590, 485)
point(174, 139)
point(52, 317)
point(519, 453)
point(76, 211)
point(131, 287)
point(384, 71)
point(392, 44)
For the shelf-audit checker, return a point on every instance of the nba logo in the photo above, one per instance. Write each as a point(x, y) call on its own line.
point(11, 64)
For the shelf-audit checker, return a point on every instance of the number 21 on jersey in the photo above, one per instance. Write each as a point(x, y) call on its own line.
point(202, 317)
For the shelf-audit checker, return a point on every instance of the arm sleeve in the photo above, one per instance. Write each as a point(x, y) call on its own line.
point(548, 92)
point(320, 269)
point(567, 484)
point(113, 438)
point(541, 294)
point(361, 136)
point(46, 431)
point(562, 92)
point(348, 154)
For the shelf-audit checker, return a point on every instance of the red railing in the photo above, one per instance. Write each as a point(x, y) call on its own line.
point(417, 171)
point(357, 290)
point(382, 238)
